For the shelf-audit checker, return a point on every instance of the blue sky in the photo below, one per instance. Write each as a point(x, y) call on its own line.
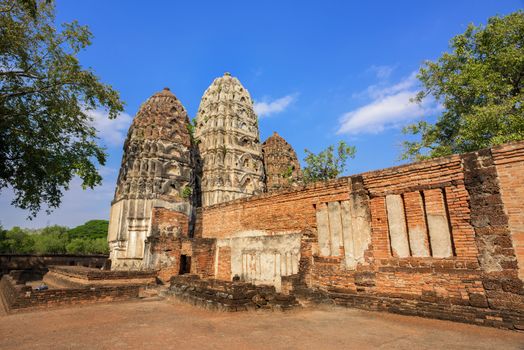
point(319, 71)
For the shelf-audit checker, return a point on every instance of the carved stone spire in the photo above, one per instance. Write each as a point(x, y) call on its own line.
point(156, 161)
point(280, 163)
point(229, 145)
point(156, 172)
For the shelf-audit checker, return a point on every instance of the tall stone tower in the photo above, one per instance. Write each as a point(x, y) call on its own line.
point(280, 162)
point(229, 147)
point(156, 172)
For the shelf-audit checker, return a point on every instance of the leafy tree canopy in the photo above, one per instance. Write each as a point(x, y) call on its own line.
point(46, 133)
point(89, 238)
point(91, 229)
point(480, 87)
point(17, 240)
point(327, 164)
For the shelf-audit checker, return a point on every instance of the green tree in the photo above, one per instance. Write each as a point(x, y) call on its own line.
point(19, 241)
point(3, 240)
point(480, 86)
point(46, 133)
point(76, 246)
point(91, 229)
point(88, 246)
point(51, 243)
point(51, 240)
point(97, 246)
point(54, 230)
point(327, 164)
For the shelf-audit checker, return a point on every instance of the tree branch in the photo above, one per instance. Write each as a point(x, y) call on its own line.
point(7, 10)
point(19, 73)
point(34, 91)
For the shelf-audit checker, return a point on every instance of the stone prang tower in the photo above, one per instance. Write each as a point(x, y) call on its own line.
point(280, 163)
point(156, 172)
point(229, 148)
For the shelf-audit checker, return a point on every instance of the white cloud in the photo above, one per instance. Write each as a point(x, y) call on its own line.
point(112, 131)
point(264, 109)
point(390, 106)
point(381, 72)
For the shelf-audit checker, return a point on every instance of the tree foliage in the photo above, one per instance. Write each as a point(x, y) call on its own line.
point(92, 229)
point(327, 164)
point(46, 133)
point(87, 246)
point(17, 240)
point(89, 238)
point(480, 87)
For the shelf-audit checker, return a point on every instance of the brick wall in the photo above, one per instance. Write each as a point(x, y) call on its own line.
point(169, 222)
point(497, 258)
point(202, 261)
point(9, 262)
point(169, 228)
point(509, 162)
point(224, 264)
point(285, 211)
point(445, 236)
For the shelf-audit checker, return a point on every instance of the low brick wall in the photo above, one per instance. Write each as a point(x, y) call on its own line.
point(18, 297)
point(433, 308)
point(82, 277)
point(229, 296)
point(40, 263)
point(97, 274)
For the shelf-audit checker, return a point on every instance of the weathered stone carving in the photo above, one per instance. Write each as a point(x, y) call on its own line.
point(156, 171)
point(280, 163)
point(228, 140)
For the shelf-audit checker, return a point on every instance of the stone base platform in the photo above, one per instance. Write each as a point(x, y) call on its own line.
point(72, 285)
point(82, 277)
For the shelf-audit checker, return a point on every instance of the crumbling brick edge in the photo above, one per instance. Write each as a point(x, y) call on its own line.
point(219, 295)
point(502, 318)
point(19, 298)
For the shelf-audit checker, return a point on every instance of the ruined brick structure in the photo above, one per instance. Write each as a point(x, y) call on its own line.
point(71, 285)
point(440, 238)
point(280, 163)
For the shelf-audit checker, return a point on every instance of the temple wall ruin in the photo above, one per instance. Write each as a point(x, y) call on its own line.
point(426, 238)
point(441, 238)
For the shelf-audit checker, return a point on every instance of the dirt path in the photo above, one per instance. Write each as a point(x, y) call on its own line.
point(169, 325)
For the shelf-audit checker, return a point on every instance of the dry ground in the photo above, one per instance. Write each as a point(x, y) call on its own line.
point(170, 325)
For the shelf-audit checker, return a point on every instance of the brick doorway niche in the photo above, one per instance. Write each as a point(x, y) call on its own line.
point(185, 264)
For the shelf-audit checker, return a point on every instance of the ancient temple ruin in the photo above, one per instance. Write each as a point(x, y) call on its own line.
point(172, 165)
point(228, 143)
point(157, 172)
point(212, 211)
